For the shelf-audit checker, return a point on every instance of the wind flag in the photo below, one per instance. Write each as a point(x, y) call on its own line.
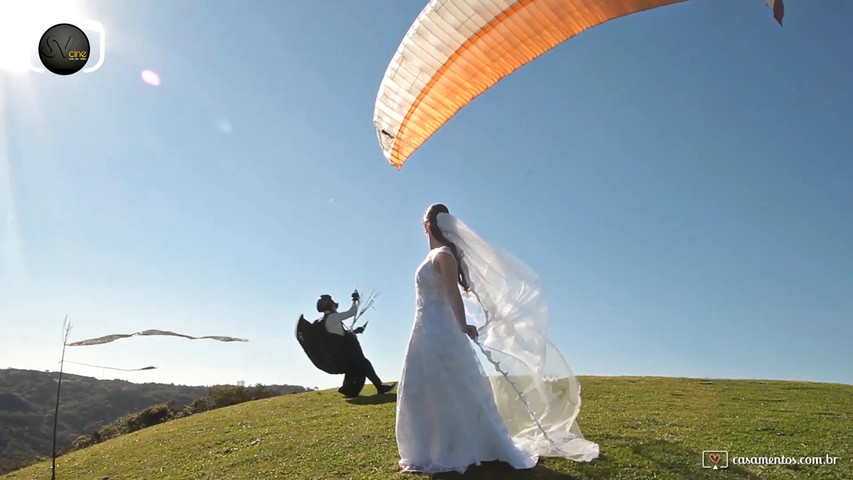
point(117, 336)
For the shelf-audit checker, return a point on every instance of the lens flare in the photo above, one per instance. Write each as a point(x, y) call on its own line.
point(151, 77)
point(23, 23)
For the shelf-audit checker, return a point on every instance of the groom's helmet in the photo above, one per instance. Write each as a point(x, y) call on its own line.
point(325, 303)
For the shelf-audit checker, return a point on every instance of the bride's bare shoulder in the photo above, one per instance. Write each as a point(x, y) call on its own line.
point(443, 256)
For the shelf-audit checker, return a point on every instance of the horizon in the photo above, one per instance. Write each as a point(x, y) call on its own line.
point(678, 178)
point(312, 388)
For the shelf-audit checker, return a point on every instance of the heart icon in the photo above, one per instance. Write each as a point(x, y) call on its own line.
point(714, 457)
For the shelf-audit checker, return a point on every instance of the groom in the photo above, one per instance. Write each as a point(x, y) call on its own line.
point(360, 366)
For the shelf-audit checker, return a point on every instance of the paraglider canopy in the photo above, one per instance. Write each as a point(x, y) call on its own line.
point(458, 49)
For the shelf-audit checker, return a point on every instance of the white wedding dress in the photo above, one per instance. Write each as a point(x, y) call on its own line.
point(447, 418)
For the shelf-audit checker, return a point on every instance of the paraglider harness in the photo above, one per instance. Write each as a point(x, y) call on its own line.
point(334, 354)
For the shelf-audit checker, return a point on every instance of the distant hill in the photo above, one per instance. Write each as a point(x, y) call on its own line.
point(28, 399)
point(647, 428)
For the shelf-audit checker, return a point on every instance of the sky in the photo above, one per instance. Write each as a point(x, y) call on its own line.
point(680, 179)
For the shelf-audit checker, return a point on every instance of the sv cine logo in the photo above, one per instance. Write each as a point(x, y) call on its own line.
point(64, 48)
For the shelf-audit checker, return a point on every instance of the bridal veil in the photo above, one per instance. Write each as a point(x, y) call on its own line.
point(535, 390)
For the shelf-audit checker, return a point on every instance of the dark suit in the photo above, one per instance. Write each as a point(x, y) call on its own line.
point(357, 366)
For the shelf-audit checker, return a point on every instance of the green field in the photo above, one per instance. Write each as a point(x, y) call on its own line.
point(647, 427)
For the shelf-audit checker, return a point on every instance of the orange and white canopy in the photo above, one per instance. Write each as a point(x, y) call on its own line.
point(457, 49)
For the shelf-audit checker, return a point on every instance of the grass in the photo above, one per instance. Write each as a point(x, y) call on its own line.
point(647, 428)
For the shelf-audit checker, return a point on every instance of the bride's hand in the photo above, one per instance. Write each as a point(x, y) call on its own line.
point(471, 331)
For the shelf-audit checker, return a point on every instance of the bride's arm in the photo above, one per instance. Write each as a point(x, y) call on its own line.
point(449, 269)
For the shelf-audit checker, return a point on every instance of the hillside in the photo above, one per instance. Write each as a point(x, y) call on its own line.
point(28, 399)
point(647, 428)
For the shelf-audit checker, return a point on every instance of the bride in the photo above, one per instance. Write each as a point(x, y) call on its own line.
point(450, 415)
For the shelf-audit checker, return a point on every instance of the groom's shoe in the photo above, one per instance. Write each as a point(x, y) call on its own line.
point(383, 389)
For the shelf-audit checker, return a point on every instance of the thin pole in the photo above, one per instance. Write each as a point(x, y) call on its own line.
point(66, 329)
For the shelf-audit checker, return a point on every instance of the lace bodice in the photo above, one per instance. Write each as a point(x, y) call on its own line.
point(428, 284)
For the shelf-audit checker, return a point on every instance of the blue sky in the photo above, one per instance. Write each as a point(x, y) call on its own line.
point(680, 179)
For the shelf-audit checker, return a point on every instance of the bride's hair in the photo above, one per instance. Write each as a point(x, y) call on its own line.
point(431, 219)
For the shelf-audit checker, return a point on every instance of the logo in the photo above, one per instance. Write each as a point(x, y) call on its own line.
point(715, 459)
point(64, 49)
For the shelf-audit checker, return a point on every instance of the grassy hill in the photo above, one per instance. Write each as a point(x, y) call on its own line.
point(647, 428)
point(28, 400)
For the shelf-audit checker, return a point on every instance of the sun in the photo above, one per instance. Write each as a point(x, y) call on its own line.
point(22, 22)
